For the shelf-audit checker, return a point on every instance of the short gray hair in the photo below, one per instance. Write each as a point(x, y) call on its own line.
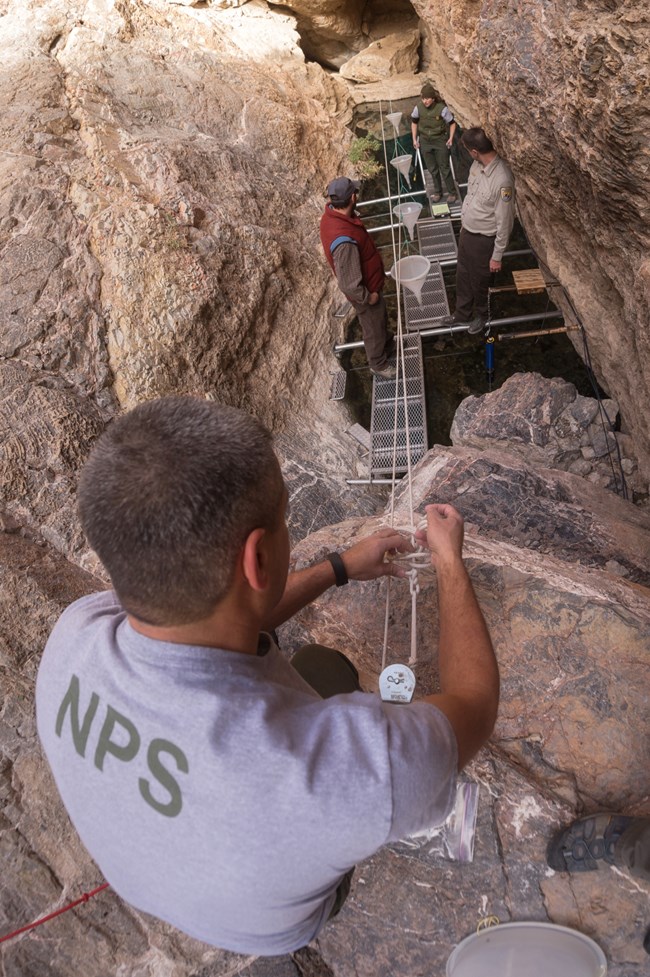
point(167, 498)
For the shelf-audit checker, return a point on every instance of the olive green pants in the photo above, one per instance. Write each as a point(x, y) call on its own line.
point(436, 159)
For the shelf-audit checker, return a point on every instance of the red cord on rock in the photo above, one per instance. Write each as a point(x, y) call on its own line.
point(84, 898)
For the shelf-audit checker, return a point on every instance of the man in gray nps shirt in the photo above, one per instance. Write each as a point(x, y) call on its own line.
point(359, 271)
point(216, 786)
point(488, 214)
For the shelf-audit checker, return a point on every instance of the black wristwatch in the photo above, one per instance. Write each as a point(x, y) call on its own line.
point(338, 566)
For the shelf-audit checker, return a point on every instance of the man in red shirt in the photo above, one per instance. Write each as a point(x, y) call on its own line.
point(359, 271)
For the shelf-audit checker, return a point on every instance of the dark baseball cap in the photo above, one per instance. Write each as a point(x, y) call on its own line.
point(428, 91)
point(340, 190)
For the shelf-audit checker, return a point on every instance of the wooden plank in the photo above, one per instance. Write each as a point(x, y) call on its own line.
point(529, 280)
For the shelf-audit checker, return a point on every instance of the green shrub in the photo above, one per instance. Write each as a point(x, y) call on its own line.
point(362, 154)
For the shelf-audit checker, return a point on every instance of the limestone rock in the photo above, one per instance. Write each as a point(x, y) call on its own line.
point(396, 54)
point(158, 208)
point(46, 431)
point(548, 422)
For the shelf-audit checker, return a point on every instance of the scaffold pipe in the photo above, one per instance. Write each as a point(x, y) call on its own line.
point(446, 330)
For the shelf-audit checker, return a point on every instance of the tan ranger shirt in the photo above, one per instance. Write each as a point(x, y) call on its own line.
point(489, 207)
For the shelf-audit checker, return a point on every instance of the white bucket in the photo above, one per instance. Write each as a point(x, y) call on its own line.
point(408, 214)
point(403, 164)
point(527, 950)
point(411, 272)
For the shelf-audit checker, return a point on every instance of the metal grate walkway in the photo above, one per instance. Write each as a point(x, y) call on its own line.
point(338, 385)
point(436, 239)
point(435, 303)
point(382, 423)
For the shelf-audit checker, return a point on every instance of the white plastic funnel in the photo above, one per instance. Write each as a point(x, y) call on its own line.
point(403, 164)
point(408, 214)
point(411, 272)
point(395, 118)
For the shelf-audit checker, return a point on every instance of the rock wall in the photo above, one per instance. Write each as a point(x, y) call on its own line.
point(333, 31)
point(161, 180)
point(562, 89)
point(160, 190)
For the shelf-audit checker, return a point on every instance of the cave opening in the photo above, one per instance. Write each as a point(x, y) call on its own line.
point(361, 23)
point(455, 363)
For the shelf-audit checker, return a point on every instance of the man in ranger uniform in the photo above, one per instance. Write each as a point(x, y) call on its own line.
point(488, 215)
point(433, 128)
point(359, 271)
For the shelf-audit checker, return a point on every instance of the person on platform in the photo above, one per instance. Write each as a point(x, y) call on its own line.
point(359, 271)
point(488, 215)
point(216, 784)
point(433, 128)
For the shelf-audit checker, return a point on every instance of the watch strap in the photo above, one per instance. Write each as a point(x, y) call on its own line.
point(338, 566)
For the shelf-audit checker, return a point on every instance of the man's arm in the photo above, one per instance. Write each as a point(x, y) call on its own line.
point(449, 119)
point(415, 118)
point(504, 211)
point(469, 675)
point(347, 266)
point(363, 561)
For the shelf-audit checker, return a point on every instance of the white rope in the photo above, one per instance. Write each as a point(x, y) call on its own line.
point(400, 331)
point(414, 559)
point(414, 585)
point(386, 617)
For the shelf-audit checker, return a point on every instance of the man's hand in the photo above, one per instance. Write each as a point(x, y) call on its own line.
point(495, 265)
point(449, 143)
point(365, 560)
point(416, 142)
point(373, 298)
point(444, 534)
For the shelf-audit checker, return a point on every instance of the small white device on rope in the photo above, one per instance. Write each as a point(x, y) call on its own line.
point(397, 683)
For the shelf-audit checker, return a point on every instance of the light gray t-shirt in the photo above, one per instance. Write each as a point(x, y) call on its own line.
point(215, 789)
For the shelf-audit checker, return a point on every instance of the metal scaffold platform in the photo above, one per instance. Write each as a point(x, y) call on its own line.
point(389, 452)
point(434, 303)
point(436, 239)
point(437, 242)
